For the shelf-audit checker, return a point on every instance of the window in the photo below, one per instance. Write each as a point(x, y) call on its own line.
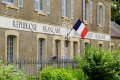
point(40, 55)
point(10, 48)
point(112, 48)
point(72, 8)
point(86, 46)
point(12, 2)
point(65, 5)
point(87, 11)
point(38, 4)
point(74, 48)
point(57, 48)
point(64, 8)
point(66, 50)
point(100, 15)
point(100, 46)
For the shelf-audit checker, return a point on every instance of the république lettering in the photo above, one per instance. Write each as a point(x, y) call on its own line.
point(24, 25)
point(51, 30)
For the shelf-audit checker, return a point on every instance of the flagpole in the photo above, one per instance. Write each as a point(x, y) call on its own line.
point(69, 32)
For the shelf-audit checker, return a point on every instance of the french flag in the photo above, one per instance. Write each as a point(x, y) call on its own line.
point(80, 28)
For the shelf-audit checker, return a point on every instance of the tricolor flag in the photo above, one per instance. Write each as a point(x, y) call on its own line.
point(80, 28)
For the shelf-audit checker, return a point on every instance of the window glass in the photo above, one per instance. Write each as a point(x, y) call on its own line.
point(40, 4)
point(57, 48)
point(100, 45)
point(10, 48)
point(74, 48)
point(86, 11)
point(40, 50)
point(112, 48)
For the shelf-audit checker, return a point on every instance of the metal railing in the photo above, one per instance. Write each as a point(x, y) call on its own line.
point(32, 67)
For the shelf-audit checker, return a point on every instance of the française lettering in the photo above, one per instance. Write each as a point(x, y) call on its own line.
point(24, 25)
point(51, 30)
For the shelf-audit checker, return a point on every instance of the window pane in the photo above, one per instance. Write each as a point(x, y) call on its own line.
point(10, 48)
point(66, 8)
point(40, 50)
point(11, 1)
point(74, 48)
point(41, 4)
point(100, 45)
point(56, 48)
point(86, 11)
point(100, 14)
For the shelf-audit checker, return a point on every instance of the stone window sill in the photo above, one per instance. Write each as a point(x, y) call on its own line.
point(67, 19)
point(41, 13)
point(12, 7)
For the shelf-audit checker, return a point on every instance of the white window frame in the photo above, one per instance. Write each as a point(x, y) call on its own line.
point(100, 15)
point(48, 6)
point(20, 3)
point(8, 2)
point(86, 10)
point(64, 8)
point(72, 9)
point(40, 10)
point(10, 48)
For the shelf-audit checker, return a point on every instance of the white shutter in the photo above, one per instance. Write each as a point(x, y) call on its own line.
point(98, 17)
point(63, 8)
point(20, 3)
point(103, 15)
point(90, 12)
point(72, 4)
point(48, 6)
point(36, 5)
point(84, 10)
point(4, 1)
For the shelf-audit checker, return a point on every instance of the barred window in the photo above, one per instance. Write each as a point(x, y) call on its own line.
point(10, 48)
point(40, 55)
point(74, 48)
point(57, 48)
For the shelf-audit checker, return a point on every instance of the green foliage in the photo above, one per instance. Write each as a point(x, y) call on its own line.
point(115, 12)
point(50, 73)
point(9, 72)
point(78, 74)
point(54, 73)
point(99, 64)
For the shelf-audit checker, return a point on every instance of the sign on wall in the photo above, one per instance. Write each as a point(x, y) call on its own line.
point(17, 24)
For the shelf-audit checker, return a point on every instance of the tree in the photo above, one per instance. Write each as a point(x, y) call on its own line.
point(115, 12)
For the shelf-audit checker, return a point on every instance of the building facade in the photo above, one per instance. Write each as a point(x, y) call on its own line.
point(115, 36)
point(38, 28)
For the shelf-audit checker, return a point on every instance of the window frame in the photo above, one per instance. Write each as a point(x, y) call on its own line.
point(40, 10)
point(10, 45)
point(100, 14)
point(74, 48)
point(57, 44)
point(40, 58)
point(9, 2)
point(86, 10)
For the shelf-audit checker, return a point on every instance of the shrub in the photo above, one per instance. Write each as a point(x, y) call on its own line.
point(9, 72)
point(54, 73)
point(99, 64)
point(78, 74)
